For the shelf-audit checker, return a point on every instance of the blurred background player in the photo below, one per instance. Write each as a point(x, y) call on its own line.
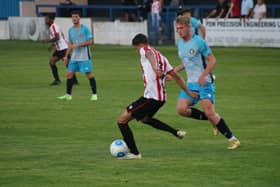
point(58, 41)
point(193, 51)
point(196, 26)
point(80, 38)
point(154, 69)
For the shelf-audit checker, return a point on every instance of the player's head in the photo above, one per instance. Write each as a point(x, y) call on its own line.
point(139, 41)
point(183, 26)
point(49, 18)
point(76, 15)
point(185, 12)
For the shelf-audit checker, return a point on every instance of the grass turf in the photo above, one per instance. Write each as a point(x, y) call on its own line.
point(47, 142)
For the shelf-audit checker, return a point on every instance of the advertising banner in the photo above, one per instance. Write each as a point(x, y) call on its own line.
point(236, 32)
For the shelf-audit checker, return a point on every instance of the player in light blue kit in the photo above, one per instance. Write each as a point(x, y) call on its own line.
point(80, 38)
point(192, 50)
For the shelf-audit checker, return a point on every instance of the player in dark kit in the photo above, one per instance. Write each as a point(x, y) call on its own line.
point(58, 41)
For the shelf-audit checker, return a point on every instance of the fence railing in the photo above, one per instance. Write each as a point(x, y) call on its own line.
point(111, 11)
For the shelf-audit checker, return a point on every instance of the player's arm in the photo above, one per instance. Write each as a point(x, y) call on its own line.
point(210, 66)
point(176, 69)
point(152, 59)
point(203, 31)
point(180, 81)
point(54, 39)
point(65, 59)
point(179, 68)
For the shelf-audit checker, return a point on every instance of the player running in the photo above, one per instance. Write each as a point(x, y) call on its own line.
point(154, 69)
point(192, 50)
point(56, 39)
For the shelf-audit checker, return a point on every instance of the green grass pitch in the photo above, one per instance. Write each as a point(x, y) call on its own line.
point(48, 142)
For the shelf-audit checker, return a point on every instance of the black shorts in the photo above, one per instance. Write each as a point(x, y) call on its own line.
point(144, 107)
point(60, 54)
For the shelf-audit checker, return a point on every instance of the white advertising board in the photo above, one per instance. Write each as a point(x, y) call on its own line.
point(236, 32)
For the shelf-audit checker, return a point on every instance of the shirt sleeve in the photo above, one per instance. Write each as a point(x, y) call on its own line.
point(69, 36)
point(88, 34)
point(204, 48)
point(195, 23)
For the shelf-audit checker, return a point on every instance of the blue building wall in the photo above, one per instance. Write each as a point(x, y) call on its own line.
point(9, 8)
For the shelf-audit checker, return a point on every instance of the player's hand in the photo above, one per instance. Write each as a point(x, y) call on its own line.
point(159, 73)
point(194, 94)
point(202, 80)
point(50, 48)
point(65, 61)
point(169, 77)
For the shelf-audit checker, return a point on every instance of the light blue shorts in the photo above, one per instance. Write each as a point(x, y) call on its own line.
point(81, 66)
point(205, 92)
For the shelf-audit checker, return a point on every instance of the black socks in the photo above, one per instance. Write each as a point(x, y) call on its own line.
point(160, 125)
point(128, 138)
point(223, 128)
point(69, 85)
point(197, 114)
point(54, 72)
point(92, 83)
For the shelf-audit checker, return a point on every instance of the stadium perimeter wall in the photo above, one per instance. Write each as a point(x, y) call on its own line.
point(33, 28)
point(230, 32)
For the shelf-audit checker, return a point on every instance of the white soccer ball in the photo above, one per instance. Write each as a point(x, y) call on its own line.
point(118, 148)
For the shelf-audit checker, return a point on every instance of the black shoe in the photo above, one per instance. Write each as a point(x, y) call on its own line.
point(55, 82)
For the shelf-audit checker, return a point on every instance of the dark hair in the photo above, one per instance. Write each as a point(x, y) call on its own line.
point(139, 39)
point(76, 12)
point(187, 10)
point(50, 15)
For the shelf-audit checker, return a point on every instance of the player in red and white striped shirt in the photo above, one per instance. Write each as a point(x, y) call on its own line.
point(154, 67)
point(56, 39)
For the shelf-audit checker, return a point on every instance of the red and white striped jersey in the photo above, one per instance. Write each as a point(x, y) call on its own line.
point(154, 86)
point(60, 44)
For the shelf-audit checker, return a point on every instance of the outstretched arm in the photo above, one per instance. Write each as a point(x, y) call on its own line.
point(180, 81)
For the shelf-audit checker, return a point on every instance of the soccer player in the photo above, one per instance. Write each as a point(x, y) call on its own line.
point(154, 69)
point(196, 26)
point(80, 38)
point(56, 39)
point(192, 49)
point(198, 29)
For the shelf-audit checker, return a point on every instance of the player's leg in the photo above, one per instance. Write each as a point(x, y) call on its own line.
point(126, 132)
point(183, 107)
point(157, 124)
point(92, 83)
point(220, 123)
point(75, 80)
point(54, 70)
point(86, 67)
point(150, 109)
point(72, 68)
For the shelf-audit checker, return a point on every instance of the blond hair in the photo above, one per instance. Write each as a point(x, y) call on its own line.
point(183, 20)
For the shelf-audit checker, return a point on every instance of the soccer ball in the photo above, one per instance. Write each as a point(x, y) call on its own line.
point(118, 148)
